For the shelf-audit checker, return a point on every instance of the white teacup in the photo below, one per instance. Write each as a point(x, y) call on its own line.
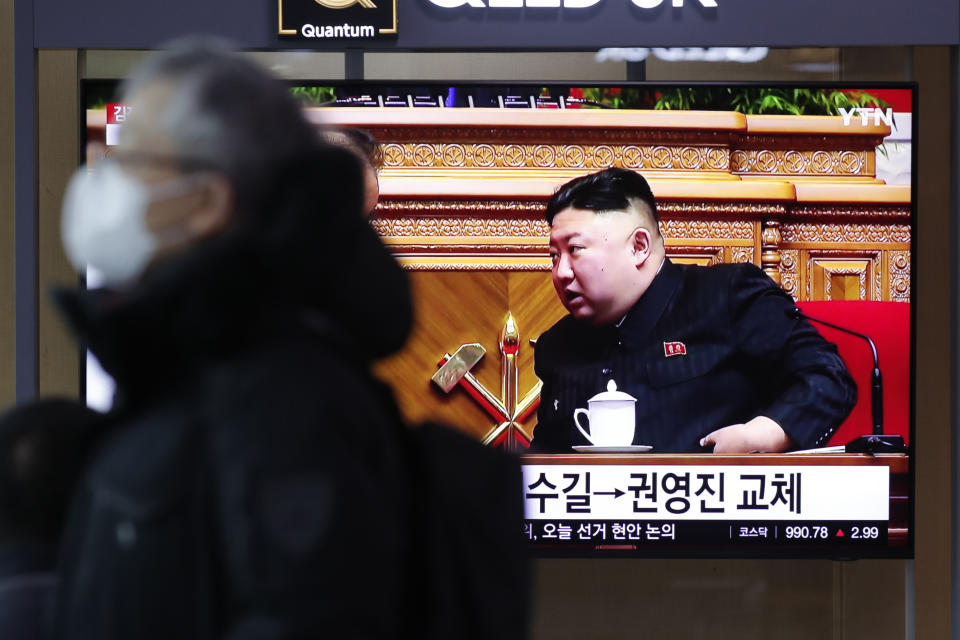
point(612, 418)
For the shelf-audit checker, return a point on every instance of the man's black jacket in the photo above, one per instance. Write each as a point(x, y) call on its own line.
point(703, 348)
point(257, 481)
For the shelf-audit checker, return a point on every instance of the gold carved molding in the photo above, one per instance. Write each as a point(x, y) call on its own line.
point(492, 227)
point(794, 162)
point(423, 248)
point(866, 266)
point(462, 264)
point(517, 155)
point(466, 227)
point(668, 208)
point(899, 277)
point(708, 229)
point(850, 232)
point(392, 207)
point(831, 270)
point(388, 207)
point(887, 272)
point(811, 140)
point(492, 134)
point(553, 156)
point(872, 211)
point(789, 276)
point(741, 255)
point(533, 208)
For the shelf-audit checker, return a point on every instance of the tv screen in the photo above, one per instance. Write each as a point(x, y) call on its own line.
point(809, 184)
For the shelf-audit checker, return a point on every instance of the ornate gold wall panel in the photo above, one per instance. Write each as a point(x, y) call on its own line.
point(898, 270)
point(842, 279)
point(553, 156)
point(788, 269)
point(822, 233)
point(817, 255)
point(793, 162)
point(643, 140)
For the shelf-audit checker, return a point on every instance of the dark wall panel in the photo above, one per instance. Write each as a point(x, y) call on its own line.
point(608, 23)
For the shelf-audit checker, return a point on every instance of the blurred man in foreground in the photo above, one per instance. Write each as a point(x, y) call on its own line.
point(712, 354)
point(257, 482)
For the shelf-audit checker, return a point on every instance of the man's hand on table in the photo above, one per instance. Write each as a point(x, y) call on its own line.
point(759, 435)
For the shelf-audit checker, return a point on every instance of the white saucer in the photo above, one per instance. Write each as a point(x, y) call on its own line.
point(635, 448)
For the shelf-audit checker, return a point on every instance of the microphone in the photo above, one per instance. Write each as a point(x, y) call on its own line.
point(878, 442)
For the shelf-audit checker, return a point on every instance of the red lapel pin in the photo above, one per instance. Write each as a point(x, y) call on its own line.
point(671, 349)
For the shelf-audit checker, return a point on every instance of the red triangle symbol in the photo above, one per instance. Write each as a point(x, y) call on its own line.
point(840, 533)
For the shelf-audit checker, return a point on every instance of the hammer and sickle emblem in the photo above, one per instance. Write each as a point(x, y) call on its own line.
point(343, 4)
point(509, 410)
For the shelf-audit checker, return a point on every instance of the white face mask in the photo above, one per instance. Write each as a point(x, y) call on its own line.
point(104, 221)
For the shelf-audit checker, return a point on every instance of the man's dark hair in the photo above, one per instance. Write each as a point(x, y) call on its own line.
point(612, 189)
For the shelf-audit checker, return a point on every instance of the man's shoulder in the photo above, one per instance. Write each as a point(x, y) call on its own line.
point(561, 329)
point(724, 272)
point(722, 279)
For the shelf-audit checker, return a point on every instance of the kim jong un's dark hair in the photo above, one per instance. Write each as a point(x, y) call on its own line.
point(612, 189)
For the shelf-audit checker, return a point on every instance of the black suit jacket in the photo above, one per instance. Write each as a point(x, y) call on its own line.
point(703, 348)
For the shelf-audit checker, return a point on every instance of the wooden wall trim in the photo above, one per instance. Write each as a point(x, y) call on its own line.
point(58, 139)
point(933, 374)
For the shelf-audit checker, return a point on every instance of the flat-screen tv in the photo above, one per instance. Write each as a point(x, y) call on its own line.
point(811, 184)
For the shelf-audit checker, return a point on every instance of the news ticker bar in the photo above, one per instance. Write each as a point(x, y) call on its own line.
point(705, 533)
point(708, 492)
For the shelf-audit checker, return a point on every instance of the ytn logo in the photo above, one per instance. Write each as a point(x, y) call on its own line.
point(865, 112)
point(567, 4)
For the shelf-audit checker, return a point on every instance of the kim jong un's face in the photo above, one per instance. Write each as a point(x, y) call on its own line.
point(595, 262)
